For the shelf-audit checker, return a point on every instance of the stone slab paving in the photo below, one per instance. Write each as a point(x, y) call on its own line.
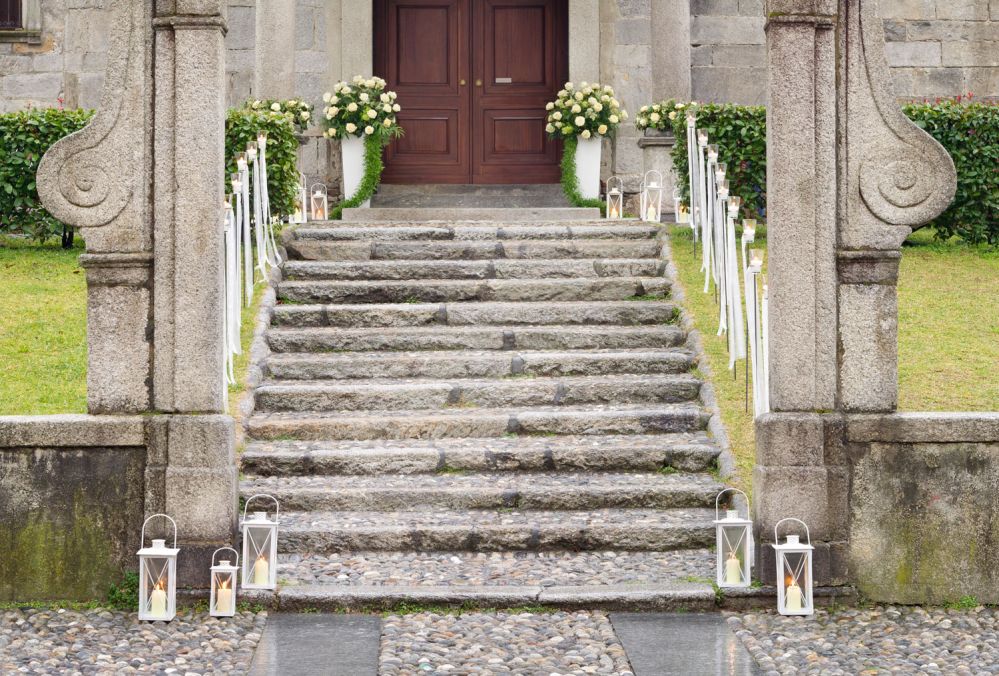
point(884, 639)
point(332, 645)
point(60, 641)
point(451, 569)
point(501, 643)
point(682, 644)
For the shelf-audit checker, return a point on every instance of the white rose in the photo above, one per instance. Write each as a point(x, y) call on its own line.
point(387, 108)
point(396, 108)
point(602, 129)
point(351, 127)
point(276, 107)
point(358, 79)
point(562, 93)
point(291, 103)
point(615, 102)
point(338, 87)
point(303, 105)
point(256, 104)
point(642, 121)
point(557, 115)
point(372, 114)
point(672, 114)
point(550, 128)
point(643, 109)
point(333, 132)
point(369, 130)
point(655, 117)
point(393, 95)
point(334, 99)
point(657, 108)
point(364, 96)
point(334, 110)
point(385, 98)
point(387, 122)
point(369, 84)
point(598, 107)
point(305, 115)
point(577, 109)
point(352, 107)
point(346, 90)
point(568, 86)
point(549, 105)
point(587, 91)
point(613, 119)
point(578, 96)
point(586, 133)
point(584, 84)
point(558, 125)
point(606, 99)
point(609, 89)
point(580, 121)
point(326, 97)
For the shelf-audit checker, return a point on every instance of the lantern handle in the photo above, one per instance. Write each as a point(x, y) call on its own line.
point(316, 186)
point(222, 549)
point(808, 535)
point(620, 183)
point(729, 490)
point(142, 541)
point(645, 179)
point(277, 507)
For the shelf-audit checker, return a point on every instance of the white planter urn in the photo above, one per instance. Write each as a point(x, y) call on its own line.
point(588, 166)
point(352, 149)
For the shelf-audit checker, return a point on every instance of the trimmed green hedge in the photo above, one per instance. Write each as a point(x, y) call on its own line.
point(241, 127)
point(969, 132)
point(24, 137)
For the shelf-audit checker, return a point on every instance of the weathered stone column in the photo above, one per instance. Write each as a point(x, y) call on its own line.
point(144, 182)
point(274, 74)
point(671, 49)
point(847, 174)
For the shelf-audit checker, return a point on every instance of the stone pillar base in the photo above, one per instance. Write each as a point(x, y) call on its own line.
point(657, 149)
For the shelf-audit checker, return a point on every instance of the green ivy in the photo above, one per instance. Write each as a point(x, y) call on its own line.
point(373, 167)
point(241, 127)
point(24, 137)
point(570, 182)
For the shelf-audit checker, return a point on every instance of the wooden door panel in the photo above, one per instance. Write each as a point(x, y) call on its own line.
point(423, 55)
point(521, 57)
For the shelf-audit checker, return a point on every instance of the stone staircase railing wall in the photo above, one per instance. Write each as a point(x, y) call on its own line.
point(902, 505)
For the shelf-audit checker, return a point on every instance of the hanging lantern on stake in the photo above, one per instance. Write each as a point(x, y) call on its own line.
point(260, 546)
point(794, 572)
point(157, 576)
point(615, 198)
point(223, 596)
point(319, 203)
point(652, 196)
point(733, 544)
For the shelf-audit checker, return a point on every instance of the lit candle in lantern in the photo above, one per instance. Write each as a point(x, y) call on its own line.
point(158, 601)
point(241, 162)
point(251, 151)
point(261, 571)
point(792, 595)
point(223, 596)
point(733, 569)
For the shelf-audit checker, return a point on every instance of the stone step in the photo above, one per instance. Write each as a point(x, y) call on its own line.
point(477, 196)
point(572, 337)
point(527, 214)
point(475, 364)
point(626, 312)
point(418, 394)
point(688, 452)
point(436, 529)
point(317, 249)
point(494, 569)
point(336, 231)
point(452, 423)
point(462, 290)
point(553, 491)
point(492, 269)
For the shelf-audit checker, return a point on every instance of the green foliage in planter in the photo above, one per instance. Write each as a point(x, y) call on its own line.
point(970, 133)
point(241, 127)
point(570, 182)
point(24, 137)
point(373, 167)
point(741, 135)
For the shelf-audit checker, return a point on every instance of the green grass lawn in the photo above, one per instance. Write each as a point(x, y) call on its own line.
point(43, 336)
point(948, 334)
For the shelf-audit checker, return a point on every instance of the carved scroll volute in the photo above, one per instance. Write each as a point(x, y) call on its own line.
point(97, 178)
point(899, 176)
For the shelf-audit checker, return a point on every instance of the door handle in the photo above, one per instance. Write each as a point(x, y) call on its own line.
point(478, 83)
point(462, 83)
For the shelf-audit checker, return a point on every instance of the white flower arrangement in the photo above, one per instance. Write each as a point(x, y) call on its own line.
point(361, 108)
point(659, 116)
point(591, 110)
point(298, 111)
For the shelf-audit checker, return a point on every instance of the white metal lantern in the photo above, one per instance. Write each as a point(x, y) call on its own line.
point(749, 230)
point(319, 203)
point(734, 544)
point(158, 576)
point(755, 265)
point(223, 598)
point(251, 152)
point(702, 138)
point(615, 198)
point(794, 572)
point(652, 196)
point(260, 546)
point(680, 209)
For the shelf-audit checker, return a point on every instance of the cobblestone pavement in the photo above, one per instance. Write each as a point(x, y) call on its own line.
point(887, 639)
point(68, 642)
point(501, 643)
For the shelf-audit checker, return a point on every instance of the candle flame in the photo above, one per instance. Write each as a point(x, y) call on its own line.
point(788, 580)
point(225, 583)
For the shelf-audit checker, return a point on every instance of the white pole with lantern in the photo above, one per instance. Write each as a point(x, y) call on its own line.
point(754, 320)
point(702, 198)
point(737, 327)
point(652, 196)
point(707, 215)
point(615, 198)
point(223, 593)
point(260, 535)
point(157, 576)
point(733, 544)
point(748, 236)
point(244, 181)
point(719, 253)
point(794, 572)
point(692, 169)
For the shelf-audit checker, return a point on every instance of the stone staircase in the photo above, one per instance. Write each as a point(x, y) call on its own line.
point(496, 412)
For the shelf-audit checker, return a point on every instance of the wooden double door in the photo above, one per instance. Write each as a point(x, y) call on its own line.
point(473, 77)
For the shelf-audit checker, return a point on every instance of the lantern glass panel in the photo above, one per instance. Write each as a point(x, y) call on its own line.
point(795, 583)
point(733, 548)
point(259, 543)
point(158, 588)
point(223, 592)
